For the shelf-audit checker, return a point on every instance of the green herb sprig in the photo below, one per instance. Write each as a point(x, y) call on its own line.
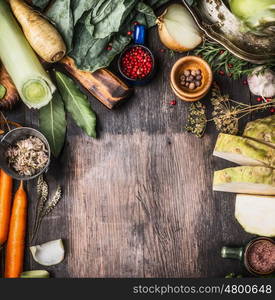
point(222, 60)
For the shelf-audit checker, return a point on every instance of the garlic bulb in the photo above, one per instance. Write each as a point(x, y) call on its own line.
point(262, 83)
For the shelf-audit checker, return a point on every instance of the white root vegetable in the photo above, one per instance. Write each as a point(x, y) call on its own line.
point(244, 151)
point(31, 80)
point(262, 83)
point(245, 180)
point(48, 254)
point(256, 214)
point(177, 29)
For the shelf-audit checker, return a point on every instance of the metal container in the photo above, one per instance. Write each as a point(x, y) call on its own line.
point(241, 254)
point(139, 36)
point(11, 138)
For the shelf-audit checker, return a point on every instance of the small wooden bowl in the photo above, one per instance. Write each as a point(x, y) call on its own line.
point(191, 63)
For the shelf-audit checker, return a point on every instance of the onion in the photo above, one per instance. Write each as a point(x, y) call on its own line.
point(177, 29)
point(48, 254)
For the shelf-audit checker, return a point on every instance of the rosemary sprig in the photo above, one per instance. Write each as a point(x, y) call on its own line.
point(222, 60)
point(44, 206)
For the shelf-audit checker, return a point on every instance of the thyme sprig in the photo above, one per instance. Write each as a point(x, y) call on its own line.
point(44, 206)
point(222, 60)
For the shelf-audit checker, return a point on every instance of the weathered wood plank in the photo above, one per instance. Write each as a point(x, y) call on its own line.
point(138, 201)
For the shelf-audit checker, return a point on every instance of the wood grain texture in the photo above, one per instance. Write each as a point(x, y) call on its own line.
point(138, 200)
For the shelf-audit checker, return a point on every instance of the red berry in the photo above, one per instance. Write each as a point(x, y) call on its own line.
point(222, 51)
point(173, 102)
point(221, 72)
point(109, 48)
point(135, 23)
point(129, 32)
point(162, 50)
point(244, 82)
point(268, 100)
point(259, 99)
point(230, 66)
point(272, 110)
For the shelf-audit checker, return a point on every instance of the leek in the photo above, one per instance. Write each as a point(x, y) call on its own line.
point(31, 80)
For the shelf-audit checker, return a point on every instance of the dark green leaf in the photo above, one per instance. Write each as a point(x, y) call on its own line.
point(77, 104)
point(41, 3)
point(52, 122)
point(89, 26)
point(60, 14)
point(3, 91)
point(148, 13)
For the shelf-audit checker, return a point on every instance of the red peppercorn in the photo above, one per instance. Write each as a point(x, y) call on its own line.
point(136, 63)
point(173, 102)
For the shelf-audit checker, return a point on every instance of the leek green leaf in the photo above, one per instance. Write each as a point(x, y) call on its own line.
point(3, 91)
point(77, 104)
point(52, 122)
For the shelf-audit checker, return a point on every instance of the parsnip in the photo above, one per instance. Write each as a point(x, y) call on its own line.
point(40, 33)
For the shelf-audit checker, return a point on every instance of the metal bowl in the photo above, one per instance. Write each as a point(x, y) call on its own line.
point(12, 137)
point(217, 22)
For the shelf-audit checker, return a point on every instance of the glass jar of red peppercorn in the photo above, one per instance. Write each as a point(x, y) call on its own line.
point(136, 62)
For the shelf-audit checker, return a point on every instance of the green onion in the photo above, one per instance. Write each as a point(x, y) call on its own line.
point(31, 80)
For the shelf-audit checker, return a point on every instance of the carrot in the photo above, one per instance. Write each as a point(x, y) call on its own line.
point(41, 34)
point(16, 240)
point(5, 205)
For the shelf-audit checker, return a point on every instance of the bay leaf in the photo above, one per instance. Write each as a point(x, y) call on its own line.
point(77, 104)
point(52, 123)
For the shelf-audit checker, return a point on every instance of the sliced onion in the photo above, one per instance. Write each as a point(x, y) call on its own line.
point(48, 254)
point(178, 30)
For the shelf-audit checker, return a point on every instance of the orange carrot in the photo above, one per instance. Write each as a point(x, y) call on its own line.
point(5, 205)
point(16, 240)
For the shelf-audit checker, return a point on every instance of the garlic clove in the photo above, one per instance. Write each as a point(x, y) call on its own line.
point(48, 254)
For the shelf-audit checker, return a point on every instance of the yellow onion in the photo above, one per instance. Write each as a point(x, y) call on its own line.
point(178, 30)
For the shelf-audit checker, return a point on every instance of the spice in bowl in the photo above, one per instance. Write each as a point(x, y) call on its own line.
point(28, 156)
point(261, 256)
point(136, 63)
point(191, 79)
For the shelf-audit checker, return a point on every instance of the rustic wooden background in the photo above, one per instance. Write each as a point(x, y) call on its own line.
point(138, 200)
